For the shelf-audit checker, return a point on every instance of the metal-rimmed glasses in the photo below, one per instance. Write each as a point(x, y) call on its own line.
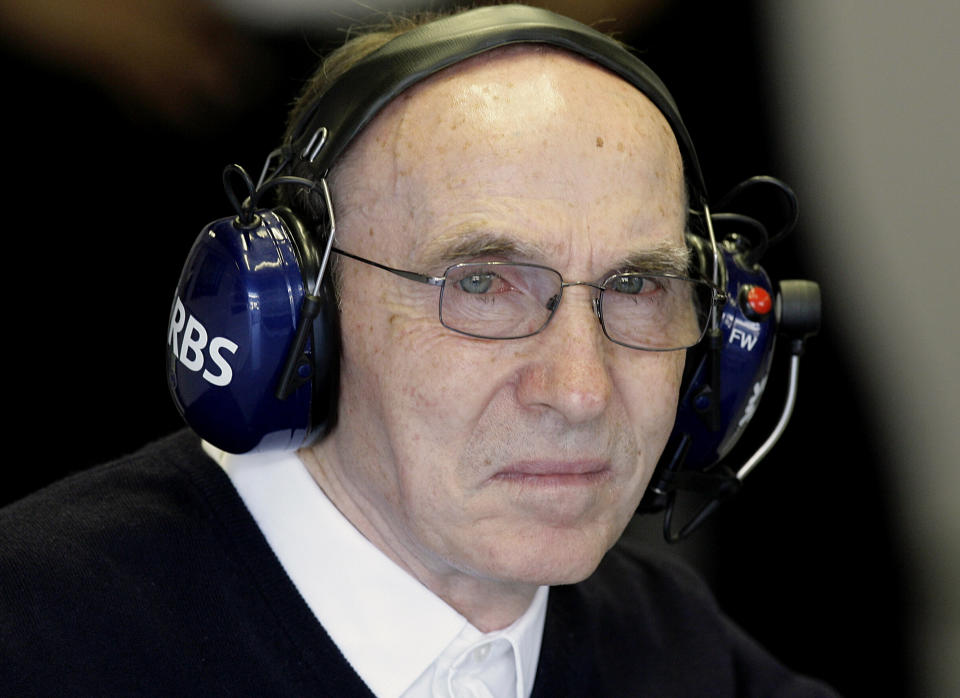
point(513, 300)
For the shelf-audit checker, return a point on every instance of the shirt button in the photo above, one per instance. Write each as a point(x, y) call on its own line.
point(481, 653)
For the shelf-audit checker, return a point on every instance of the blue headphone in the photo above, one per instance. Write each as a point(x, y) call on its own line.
point(253, 336)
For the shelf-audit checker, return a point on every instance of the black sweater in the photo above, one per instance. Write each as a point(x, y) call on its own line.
point(148, 576)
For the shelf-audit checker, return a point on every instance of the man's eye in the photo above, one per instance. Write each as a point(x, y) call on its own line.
point(476, 283)
point(633, 284)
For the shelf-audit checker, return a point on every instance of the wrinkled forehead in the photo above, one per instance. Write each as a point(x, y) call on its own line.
point(525, 144)
point(530, 87)
point(513, 106)
point(329, 121)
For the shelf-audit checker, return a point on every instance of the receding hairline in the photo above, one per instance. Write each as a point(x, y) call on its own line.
point(503, 54)
point(497, 55)
point(368, 41)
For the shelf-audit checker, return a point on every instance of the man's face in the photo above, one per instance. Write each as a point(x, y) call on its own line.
point(519, 460)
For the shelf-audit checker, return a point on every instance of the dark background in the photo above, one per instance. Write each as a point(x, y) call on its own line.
point(103, 199)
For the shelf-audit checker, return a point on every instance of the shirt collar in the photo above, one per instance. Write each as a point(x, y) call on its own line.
point(389, 627)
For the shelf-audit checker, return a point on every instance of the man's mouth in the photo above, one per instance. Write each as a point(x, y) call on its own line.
point(555, 472)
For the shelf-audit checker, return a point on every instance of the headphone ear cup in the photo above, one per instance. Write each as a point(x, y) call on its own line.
point(234, 316)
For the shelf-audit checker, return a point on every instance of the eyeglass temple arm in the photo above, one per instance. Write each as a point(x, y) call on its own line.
point(412, 275)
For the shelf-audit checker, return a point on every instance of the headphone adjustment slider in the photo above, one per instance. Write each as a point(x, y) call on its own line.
point(313, 147)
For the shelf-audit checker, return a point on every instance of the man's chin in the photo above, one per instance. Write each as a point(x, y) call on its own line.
point(558, 572)
point(551, 558)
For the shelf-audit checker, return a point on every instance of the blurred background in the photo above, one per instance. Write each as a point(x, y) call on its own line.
point(841, 553)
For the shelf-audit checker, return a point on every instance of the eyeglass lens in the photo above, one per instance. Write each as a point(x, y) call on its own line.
point(510, 301)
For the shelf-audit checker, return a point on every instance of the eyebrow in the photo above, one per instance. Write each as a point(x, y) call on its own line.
point(459, 246)
point(663, 258)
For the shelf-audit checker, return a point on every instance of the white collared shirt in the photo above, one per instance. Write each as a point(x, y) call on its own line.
point(400, 638)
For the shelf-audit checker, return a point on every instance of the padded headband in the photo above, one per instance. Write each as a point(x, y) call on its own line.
point(363, 90)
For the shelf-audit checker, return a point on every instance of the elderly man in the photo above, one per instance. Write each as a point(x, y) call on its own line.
point(472, 461)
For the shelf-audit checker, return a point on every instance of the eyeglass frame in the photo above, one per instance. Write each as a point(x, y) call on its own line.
point(718, 296)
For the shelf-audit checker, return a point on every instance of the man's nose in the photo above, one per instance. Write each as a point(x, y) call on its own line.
point(568, 362)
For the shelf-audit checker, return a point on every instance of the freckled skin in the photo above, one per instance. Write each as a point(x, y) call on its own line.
point(429, 419)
